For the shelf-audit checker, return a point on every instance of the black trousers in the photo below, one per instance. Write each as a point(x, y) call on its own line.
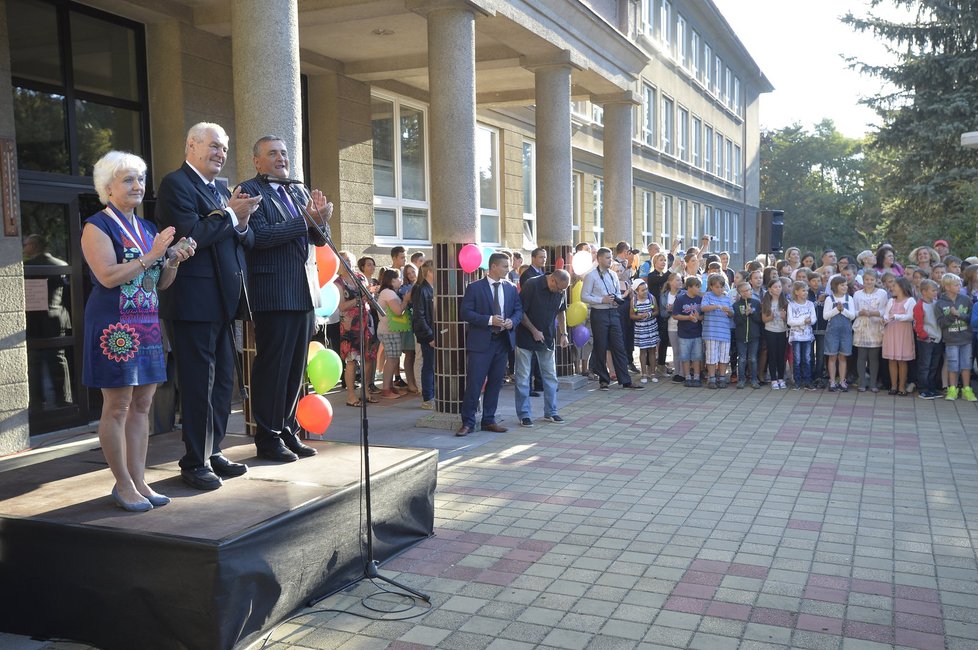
point(205, 371)
point(607, 335)
point(282, 345)
point(627, 330)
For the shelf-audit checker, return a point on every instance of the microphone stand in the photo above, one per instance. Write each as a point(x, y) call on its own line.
point(372, 566)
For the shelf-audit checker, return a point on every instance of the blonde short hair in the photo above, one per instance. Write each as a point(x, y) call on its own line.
point(111, 164)
point(949, 280)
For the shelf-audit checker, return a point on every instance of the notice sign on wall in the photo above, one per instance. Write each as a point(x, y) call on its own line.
point(36, 294)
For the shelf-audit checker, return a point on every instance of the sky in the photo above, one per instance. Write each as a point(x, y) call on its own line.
point(798, 45)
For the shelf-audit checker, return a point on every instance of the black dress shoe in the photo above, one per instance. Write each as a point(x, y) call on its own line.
point(201, 478)
point(277, 451)
point(226, 468)
point(534, 393)
point(463, 431)
point(296, 446)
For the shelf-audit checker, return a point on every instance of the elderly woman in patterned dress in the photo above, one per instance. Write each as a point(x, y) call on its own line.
point(123, 353)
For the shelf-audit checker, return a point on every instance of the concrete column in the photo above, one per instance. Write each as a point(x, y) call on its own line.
point(554, 160)
point(618, 168)
point(267, 94)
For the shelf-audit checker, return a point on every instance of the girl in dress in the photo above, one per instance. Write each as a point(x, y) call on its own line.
point(644, 312)
point(867, 331)
point(898, 343)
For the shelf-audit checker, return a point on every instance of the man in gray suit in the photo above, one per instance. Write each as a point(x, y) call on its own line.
point(283, 285)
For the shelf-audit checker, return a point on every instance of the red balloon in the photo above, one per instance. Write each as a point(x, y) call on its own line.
point(469, 258)
point(560, 263)
point(328, 264)
point(314, 414)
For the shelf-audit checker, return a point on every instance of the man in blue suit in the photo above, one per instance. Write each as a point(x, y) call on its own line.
point(492, 309)
point(283, 285)
point(209, 293)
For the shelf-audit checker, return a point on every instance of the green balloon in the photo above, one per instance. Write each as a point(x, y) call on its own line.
point(324, 370)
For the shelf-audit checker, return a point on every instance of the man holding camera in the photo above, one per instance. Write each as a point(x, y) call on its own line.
point(602, 292)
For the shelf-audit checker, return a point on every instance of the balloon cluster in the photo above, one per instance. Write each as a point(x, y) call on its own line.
point(577, 311)
point(323, 367)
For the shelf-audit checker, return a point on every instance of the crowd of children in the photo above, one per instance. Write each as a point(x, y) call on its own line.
point(821, 327)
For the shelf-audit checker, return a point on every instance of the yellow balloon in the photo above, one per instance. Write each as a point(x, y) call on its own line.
point(576, 292)
point(576, 314)
point(314, 347)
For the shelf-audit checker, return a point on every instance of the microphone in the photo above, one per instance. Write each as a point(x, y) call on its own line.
point(268, 178)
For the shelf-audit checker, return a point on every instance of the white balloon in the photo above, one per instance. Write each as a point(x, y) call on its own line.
point(581, 262)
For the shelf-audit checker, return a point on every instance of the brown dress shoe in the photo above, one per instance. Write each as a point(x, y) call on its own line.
point(495, 428)
point(463, 431)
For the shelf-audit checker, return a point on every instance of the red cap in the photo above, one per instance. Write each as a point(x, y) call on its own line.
point(941, 242)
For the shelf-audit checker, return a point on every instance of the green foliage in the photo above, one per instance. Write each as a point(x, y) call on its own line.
point(930, 182)
point(818, 178)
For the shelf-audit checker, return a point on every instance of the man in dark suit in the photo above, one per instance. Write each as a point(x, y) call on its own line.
point(492, 309)
point(283, 288)
point(538, 262)
point(206, 297)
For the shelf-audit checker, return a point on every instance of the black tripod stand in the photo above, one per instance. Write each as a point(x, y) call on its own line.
point(371, 569)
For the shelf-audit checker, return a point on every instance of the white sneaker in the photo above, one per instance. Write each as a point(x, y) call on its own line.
point(775, 385)
point(644, 380)
point(784, 386)
point(655, 380)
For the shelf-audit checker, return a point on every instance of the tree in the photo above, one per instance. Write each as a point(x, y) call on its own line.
point(928, 179)
point(817, 178)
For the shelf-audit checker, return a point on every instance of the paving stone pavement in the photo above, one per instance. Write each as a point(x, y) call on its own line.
point(684, 518)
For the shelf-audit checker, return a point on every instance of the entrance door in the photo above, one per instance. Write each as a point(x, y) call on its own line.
point(56, 285)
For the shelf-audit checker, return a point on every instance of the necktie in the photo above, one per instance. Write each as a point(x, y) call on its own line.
point(496, 310)
point(217, 195)
point(287, 201)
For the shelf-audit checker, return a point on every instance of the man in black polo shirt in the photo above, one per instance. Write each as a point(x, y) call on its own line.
point(544, 302)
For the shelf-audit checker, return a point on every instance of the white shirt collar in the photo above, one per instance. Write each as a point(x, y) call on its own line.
point(206, 182)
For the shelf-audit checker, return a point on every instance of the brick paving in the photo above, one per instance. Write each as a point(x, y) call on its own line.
point(684, 518)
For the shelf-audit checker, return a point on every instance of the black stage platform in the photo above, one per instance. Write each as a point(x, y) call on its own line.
point(211, 570)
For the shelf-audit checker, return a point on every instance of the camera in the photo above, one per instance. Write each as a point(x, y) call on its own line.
point(619, 301)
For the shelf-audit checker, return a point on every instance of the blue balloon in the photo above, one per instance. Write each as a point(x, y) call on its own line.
point(486, 252)
point(329, 300)
point(580, 334)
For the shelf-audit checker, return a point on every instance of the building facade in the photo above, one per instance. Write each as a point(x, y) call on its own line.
point(429, 123)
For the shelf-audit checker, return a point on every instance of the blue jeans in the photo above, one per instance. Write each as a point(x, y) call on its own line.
point(747, 352)
point(929, 357)
point(427, 372)
point(548, 370)
point(801, 356)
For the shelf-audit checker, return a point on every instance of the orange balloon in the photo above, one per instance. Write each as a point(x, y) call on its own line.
point(314, 414)
point(328, 264)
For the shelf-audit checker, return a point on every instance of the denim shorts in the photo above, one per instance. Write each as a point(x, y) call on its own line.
point(958, 357)
point(691, 349)
point(838, 338)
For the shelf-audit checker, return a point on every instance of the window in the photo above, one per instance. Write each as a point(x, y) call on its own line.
point(697, 223)
point(400, 170)
point(648, 218)
point(682, 217)
point(727, 161)
point(648, 117)
point(579, 109)
point(598, 189)
point(718, 168)
point(577, 183)
point(648, 18)
point(683, 135)
point(665, 25)
point(735, 232)
point(736, 165)
point(529, 195)
point(726, 229)
point(697, 142)
point(728, 87)
point(695, 55)
point(707, 221)
point(737, 104)
point(717, 75)
point(708, 150)
point(597, 114)
point(682, 46)
point(668, 128)
point(98, 95)
point(666, 221)
point(487, 167)
point(707, 66)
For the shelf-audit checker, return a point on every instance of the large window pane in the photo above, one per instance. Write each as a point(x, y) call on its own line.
point(382, 118)
point(415, 223)
point(103, 57)
point(45, 230)
point(488, 228)
point(34, 50)
point(385, 222)
point(412, 154)
point(486, 166)
point(529, 191)
point(42, 143)
point(102, 128)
